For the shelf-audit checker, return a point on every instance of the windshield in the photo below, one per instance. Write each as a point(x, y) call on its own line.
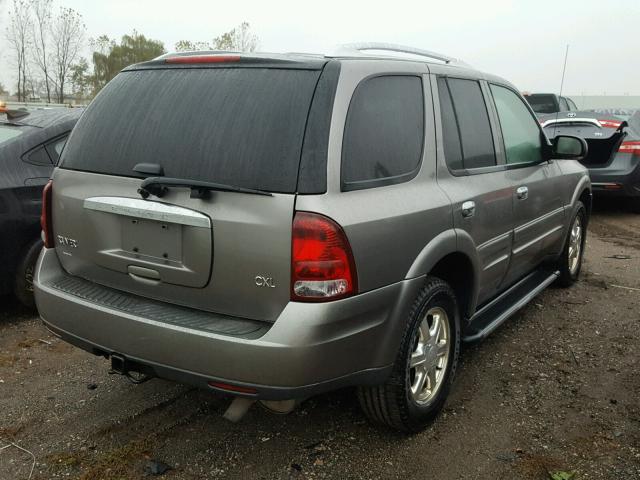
point(235, 126)
point(8, 132)
point(542, 103)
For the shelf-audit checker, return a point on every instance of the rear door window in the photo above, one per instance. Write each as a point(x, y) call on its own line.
point(384, 132)
point(520, 132)
point(54, 148)
point(38, 156)
point(235, 126)
point(572, 105)
point(472, 123)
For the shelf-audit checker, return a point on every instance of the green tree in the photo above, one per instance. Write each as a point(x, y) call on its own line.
point(110, 57)
point(80, 78)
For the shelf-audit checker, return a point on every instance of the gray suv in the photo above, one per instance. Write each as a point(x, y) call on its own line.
point(277, 226)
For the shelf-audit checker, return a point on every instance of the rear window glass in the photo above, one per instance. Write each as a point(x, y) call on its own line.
point(236, 126)
point(7, 133)
point(384, 132)
point(542, 103)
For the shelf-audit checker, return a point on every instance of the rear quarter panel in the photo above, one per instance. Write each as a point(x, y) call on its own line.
point(388, 226)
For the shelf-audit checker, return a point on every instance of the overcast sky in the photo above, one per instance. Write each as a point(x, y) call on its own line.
point(523, 41)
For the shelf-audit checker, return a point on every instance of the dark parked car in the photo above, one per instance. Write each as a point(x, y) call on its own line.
point(543, 103)
point(30, 144)
point(613, 137)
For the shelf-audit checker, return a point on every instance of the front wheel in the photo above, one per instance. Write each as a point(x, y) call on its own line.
point(425, 364)
point(570, 262)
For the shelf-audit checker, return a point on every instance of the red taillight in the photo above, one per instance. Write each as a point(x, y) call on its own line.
point(322, 265)
point(632, 147)
point(203, 59)
point(45, 217)
point(610, 123)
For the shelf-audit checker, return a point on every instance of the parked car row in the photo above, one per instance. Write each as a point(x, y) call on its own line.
point(30, 146)
point(613, 136)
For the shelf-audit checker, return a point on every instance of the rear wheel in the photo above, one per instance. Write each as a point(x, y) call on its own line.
point(425, 365)
point(24, 275)
point(570, 262)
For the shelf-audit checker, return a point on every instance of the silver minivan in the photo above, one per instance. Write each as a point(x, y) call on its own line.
point(277, 226)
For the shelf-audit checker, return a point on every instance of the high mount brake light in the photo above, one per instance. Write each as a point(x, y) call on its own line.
point(632, 147)
point(45, 217)
point(322, 264)
point(203, 59)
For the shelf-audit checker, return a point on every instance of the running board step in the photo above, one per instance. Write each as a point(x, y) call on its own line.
point(496, 312)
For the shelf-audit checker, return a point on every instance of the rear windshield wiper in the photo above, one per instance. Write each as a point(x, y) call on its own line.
point(158, 186)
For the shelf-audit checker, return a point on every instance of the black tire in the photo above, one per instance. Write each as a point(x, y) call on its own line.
point(568, 275)
point(24, 275)
point(635, 204)
point(392, 404)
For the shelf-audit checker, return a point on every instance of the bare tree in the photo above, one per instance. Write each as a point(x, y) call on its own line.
point(239, 39)
point(40, 38)
point(18, 32)
point(67, 35)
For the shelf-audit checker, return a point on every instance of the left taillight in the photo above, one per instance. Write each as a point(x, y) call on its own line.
point(45, 216)
point(322, 264)
point(632, 147)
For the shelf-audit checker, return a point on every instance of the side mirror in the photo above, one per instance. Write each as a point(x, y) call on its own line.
point(568, 147)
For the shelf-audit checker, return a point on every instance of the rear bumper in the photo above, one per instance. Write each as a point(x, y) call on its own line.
point(620, 178)
point(311, 348)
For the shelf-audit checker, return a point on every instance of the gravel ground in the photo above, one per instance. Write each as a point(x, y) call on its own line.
point(555, 389)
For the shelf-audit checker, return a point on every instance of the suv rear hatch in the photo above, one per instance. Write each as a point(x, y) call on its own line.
point(239, 125)
point(603, 133)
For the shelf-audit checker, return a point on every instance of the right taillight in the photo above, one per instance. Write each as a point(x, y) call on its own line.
point(45, 216)
point(322, 265)
point(632, 147)
point(610, 123)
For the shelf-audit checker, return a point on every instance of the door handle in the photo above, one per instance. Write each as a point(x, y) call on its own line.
point(522, 193)
point(468, 209)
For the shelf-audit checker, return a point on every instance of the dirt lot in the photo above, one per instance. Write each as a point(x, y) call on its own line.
point(556, 389)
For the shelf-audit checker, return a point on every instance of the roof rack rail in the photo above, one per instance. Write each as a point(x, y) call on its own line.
point(357, 49)
point(186, 53)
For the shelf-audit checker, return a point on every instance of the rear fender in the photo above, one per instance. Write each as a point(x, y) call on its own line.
point(446, 243)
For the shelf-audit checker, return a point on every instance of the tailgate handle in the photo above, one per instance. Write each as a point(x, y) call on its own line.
point(144, 275)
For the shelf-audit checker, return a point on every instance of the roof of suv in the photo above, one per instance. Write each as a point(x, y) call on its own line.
point(201, 58)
